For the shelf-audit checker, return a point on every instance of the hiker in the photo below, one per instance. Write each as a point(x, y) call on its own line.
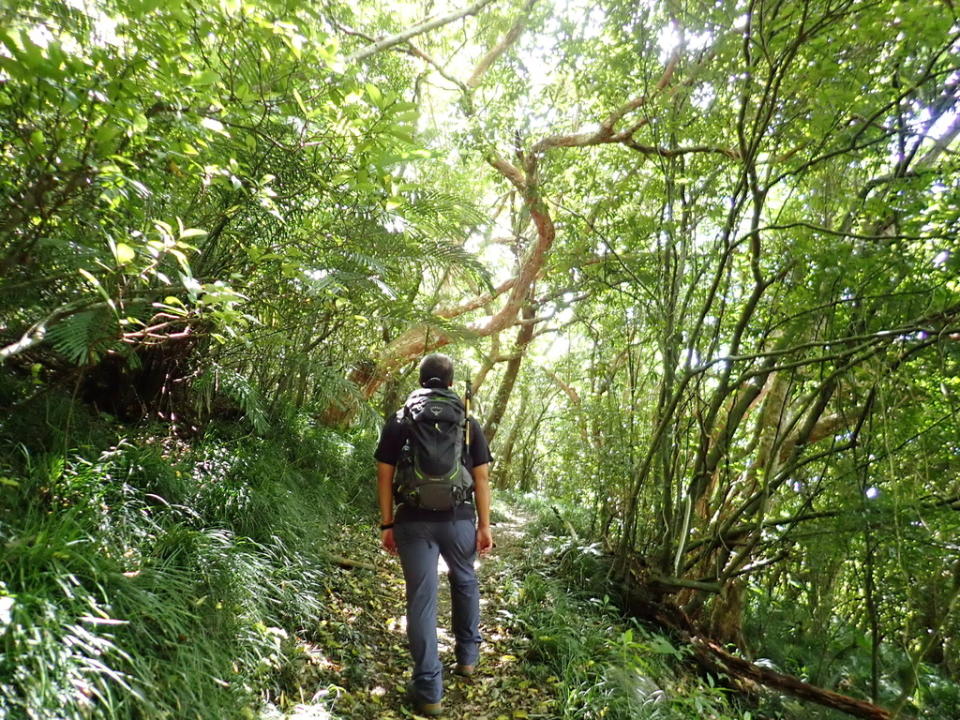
point(446, 515)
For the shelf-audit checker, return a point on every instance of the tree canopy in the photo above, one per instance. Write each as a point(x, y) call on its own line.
point(699, 260)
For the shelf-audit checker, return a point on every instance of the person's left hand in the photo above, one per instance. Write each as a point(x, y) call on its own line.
point(484, 540)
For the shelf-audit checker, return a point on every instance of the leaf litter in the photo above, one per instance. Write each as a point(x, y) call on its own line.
point(354, 665)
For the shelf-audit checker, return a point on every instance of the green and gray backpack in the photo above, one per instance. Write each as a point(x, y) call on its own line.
point(430, 473)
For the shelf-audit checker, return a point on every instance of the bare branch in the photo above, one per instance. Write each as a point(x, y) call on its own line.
point(567, 389)
point(712, 587)
point(426, 26)
point(417, 52)
point(477, 302)
point(605, 133)
point(513, 34)
point(731, 153)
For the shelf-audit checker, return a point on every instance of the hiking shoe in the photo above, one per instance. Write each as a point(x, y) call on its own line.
point(428, 709)
point(464, 670)
point(423, 708)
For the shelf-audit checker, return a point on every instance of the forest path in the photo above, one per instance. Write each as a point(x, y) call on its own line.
point(356, 664)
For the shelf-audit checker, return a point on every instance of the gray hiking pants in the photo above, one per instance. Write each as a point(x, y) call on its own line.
point(419, 543)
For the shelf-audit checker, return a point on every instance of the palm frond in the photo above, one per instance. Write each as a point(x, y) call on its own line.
point(448, 255)
point(333, 389)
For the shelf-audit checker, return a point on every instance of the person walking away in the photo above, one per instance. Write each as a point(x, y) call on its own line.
point(440, 512)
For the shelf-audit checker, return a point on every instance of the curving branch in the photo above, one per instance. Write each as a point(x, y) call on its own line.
point(606, 133)
point(525, 180)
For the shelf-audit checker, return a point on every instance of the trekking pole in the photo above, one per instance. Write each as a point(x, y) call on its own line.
point(467, 398)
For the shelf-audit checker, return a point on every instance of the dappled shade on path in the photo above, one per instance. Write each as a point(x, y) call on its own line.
point(355, 664)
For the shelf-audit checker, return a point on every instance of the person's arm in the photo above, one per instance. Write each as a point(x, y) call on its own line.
point(481, 494)
point(385, 500)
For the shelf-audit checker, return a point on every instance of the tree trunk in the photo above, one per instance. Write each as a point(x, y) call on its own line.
point(510, 374)
point(503, 470)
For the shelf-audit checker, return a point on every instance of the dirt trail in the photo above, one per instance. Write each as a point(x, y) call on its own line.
point(356, 664)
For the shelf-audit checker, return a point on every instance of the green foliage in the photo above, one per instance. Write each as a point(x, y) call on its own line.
point(753, 283)
point(211, 182)
point(234, 386)
point(86, 336)
point(601, 666)
point(144, 580)
point(754, 382)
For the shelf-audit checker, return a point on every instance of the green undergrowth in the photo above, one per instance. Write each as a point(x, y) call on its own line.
point(147, 577)
point(581, 570)
point(600, 663)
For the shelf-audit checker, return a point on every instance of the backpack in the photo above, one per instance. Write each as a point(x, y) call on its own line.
point(430, 473)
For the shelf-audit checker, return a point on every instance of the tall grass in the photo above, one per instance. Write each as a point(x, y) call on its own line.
point(144, 579)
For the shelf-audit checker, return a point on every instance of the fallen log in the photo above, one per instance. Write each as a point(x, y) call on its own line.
point(647, 602)
point(714, 657)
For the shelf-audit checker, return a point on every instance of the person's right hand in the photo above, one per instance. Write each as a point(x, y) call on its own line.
point(387, 541)
point(484, 540)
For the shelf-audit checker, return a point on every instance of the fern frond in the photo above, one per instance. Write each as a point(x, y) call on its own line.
point(441, 214)
point(353, 283)
point(87, 336)
point(332, 388)
point(231, 384)
point(448, 255)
